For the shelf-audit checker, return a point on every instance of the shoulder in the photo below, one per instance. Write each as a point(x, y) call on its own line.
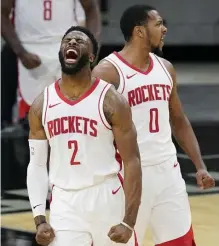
point(113, 95)
point(36, 109)
point(169, 66)
point(114, 105)
point(106, 71)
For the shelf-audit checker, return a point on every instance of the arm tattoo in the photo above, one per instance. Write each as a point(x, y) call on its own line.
point(109, 105)
point(40, 219)
point(36, 108)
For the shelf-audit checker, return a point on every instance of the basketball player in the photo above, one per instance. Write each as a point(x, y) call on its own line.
point(79, 117)
point(36, 37)
point(149, 84)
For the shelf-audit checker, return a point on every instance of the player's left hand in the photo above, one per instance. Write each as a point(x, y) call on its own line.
point(120, 234)
point(204, 179)
point(45, 234)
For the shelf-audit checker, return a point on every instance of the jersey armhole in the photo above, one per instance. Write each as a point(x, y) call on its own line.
point(100, 106)
point(45, 105)
point(165, 69)
point(121, 75)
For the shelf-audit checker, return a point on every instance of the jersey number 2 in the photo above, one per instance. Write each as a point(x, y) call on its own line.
point(73, 145)
point(47, 10)
point(153, 124)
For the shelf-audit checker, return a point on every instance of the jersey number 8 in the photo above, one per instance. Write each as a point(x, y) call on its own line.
point(47, 13)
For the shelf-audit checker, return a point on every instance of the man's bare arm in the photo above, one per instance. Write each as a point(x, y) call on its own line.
point(93, 20)
point(37, 176)
point(107, 72)
point(35, 119)
point(8, 32)
point(181, 127)
point(118, 114)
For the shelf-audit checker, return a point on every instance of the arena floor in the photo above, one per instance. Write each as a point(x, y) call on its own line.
point(205, 213)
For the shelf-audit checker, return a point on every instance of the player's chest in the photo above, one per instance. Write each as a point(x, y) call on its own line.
point(48, 9)
point(140, 89)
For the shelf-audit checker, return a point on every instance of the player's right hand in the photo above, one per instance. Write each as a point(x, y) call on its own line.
point(204, 179)
point(30, 60)
point(45, 234)
point(120, 234)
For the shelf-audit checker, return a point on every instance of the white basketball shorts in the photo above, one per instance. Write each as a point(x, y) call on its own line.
point(164, 205)
point(84, 217)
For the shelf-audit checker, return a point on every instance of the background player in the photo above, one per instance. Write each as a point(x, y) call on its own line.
point(149, 84)
point(80, 117)
point(36, 37)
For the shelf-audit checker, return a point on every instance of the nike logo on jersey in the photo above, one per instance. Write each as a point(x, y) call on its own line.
point(115, 191)
point(53, 105)
point(37, 206)
point(176, 164)
point(130, 76)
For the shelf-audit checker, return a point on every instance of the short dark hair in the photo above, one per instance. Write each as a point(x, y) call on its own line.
point(135, 15)
point(88, 33)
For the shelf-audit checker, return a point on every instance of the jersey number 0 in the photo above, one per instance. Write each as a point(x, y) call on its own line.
point(153, 124)
point(47, 10)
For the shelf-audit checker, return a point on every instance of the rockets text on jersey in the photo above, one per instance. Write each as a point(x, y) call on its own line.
point(148, 95)
point(81, 140)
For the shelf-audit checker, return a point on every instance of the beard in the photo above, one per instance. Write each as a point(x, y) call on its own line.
point(71, 69)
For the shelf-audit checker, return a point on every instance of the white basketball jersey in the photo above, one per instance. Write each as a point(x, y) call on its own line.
point(45, 21)
point(148, 95)
point(81, 140)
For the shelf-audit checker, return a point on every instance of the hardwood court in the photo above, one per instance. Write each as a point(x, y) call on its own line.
point(205, 214)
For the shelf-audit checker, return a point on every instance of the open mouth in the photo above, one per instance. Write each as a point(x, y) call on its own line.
point(71, 56)
point(162, 38)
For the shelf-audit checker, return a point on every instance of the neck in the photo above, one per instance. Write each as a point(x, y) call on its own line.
point(73, 86)
point(136, 54)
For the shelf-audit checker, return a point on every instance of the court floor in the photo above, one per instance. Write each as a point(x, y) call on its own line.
point(205, 213)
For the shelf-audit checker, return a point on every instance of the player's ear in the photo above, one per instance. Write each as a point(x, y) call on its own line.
point(139, 31)
point(91, 58)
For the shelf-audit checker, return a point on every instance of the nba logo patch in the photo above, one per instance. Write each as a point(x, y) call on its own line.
point(32, 151)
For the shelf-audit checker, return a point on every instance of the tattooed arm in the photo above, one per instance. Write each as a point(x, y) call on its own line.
point(118, 115)
point(35, 119)
point(184, 134)
point(37, 176)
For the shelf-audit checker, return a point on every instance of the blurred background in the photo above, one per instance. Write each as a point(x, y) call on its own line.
point(192, 45)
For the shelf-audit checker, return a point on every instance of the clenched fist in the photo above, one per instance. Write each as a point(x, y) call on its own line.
point(120, 234)
point(30, 60)
point(204, 179)
point(45, 234)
